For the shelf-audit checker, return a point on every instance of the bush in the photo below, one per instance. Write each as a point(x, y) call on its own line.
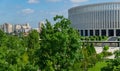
point(105, 48)
point(100, 56)
point(106, 53)
point(118, 39)
point(100, 38)
point(117, 53)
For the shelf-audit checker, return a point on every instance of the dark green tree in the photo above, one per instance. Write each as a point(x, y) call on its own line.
point(92, 49)
point(112, 65)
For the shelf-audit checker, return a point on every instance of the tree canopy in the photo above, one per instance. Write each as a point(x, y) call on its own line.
point(57, 50)
point(59, 45)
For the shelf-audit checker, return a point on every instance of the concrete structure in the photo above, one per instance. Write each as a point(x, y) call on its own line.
point(22, 28)
point(96, 19)
point(26, 28)
point(17, 28)
point(111, 49)
point(40, 26)
point(8, 28)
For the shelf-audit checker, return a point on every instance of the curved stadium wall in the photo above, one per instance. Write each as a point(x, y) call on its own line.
point(97, 19)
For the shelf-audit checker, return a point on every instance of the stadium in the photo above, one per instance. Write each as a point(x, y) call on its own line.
point(101, 19)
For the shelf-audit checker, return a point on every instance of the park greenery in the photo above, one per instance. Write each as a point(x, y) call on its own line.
point(93, 38)
point(56, 48)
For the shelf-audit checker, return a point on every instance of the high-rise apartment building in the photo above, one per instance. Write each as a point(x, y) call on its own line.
point(8, 28)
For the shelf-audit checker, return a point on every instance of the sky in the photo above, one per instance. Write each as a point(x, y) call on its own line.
point(35, 11)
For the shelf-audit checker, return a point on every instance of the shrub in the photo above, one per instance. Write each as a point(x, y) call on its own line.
point(100, 38)
point(105, 48)
point(107, 53)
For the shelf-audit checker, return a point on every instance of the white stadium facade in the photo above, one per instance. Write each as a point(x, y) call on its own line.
point(101, 19)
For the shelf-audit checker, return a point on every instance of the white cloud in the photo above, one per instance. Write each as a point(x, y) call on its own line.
point(27, 11)
point(33, 1)
point(78, 1)
point(53, 0)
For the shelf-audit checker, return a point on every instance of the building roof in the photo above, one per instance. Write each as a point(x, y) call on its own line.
point(96, 4)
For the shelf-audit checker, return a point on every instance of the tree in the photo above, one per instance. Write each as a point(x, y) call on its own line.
point(59, 45)
point(33, 46)
point(89, 56)
point(13, 54)
point(117, 54)
point(112, 65)
point(3, 38)
point(33, 40)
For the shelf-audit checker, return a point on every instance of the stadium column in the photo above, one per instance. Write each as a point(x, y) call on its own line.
point(114, 19)
point(114, 32)
point(93, 32)
point(99, 32)
point(106, 32)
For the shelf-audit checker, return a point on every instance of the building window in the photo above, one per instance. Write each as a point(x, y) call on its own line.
point(118, 32)
point(91, 32)
point(86, 32)
point(97, 32)
point(103, 32)
point(81, 33)
point(110, 32)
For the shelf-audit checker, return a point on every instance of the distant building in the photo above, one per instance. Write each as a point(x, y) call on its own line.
point(26, 28)
point(8, 28)
point(40, 26)
point(17, 28)
point(22, 27)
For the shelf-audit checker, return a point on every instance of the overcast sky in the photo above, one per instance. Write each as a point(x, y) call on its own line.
point(34, 11)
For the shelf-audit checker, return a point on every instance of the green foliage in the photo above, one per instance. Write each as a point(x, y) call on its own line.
point(94, 38)
point(93, 51)
point(33, 39)
point(118, 39)
point(105, 54)
point(117, 54)
point(60, 46)
point(100, 38)
point(89, 59)
point(13, 54)
point(3, 38)
point(90, 49)
point(105, 48)
point(112, 65)
point(58, 50)
point(98, 66)
point(76, 67)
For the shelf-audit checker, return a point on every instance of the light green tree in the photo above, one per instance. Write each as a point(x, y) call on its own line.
point(13, 54)
point(59, 45)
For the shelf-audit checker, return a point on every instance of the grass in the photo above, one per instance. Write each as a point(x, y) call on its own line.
point(98, 66)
